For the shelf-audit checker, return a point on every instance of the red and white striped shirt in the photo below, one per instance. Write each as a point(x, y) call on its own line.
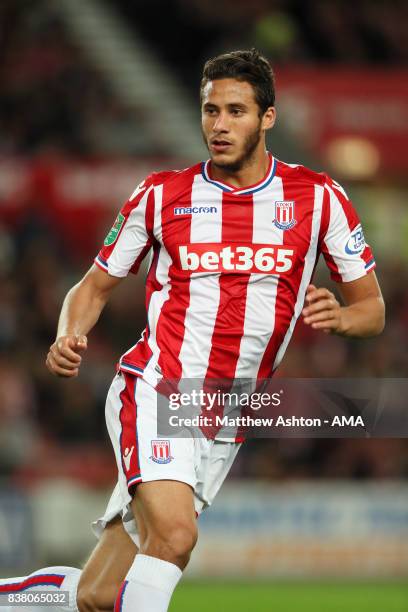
point(229, 267)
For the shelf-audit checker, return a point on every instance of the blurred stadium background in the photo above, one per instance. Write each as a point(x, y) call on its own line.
point(94, 95)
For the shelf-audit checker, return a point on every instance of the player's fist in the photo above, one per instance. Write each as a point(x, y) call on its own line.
point(64, 356)
point(322, 310)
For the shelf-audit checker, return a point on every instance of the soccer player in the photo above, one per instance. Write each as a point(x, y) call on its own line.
point(233, 243)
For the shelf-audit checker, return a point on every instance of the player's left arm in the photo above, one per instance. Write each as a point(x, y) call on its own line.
point(351, 263)
point(361, 315)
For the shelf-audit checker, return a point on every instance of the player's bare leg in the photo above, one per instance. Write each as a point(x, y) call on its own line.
point(166, 510)
point(106, 569)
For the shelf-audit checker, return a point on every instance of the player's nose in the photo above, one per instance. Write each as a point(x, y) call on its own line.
point(221, 123)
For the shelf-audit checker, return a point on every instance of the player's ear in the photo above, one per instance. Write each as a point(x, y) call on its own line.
point(269, 118)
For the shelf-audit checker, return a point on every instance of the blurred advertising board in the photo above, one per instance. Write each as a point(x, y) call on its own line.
point(15, 528)
point(333, 529)
point(351, 111)
point(78, 200)
point(71, 195)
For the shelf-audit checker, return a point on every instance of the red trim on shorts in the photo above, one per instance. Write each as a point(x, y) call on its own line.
point(128, 440)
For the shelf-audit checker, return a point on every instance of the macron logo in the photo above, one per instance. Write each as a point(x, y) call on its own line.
point(127, 457)
point(194, 210)
point(139, 189)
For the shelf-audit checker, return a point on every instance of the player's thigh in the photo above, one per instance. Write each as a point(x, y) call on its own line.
point(165, 507)
point(106, 568)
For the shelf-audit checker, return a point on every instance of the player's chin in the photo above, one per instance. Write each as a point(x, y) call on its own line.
point(225, 159)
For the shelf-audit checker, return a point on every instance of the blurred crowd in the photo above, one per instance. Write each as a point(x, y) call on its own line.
point(53, 98)
point(51, 426)
point(53, 101)
point(288, 31)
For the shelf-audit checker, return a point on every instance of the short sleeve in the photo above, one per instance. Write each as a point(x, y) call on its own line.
point(131, 236)
point(342, 240)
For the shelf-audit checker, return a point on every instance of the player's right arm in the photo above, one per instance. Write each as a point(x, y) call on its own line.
point(124, 248)
point(80, 311)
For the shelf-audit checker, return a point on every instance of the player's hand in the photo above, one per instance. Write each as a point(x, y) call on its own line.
point(322, 310)
point(64, 356)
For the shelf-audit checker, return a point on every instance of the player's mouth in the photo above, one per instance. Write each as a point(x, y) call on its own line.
point(219, 145)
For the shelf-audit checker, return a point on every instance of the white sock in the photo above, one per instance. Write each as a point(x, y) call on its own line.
point(48, 580)
point(148, 586)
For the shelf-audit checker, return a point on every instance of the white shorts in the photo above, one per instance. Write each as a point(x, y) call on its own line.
point(141, 456)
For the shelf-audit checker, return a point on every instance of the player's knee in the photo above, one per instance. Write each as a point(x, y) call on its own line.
point(93, 599)
point(182, 540)
point(179, 544)
point(174, 545)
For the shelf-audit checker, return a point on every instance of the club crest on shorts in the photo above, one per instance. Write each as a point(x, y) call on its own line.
point(161, 451)
point(284, 214)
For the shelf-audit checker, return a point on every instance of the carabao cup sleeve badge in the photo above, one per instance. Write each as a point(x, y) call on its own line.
point(114, 232)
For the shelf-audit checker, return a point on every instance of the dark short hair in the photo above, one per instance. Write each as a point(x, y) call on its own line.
point(247, 65)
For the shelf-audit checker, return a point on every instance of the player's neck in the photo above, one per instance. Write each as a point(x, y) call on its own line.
point(252, 172)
